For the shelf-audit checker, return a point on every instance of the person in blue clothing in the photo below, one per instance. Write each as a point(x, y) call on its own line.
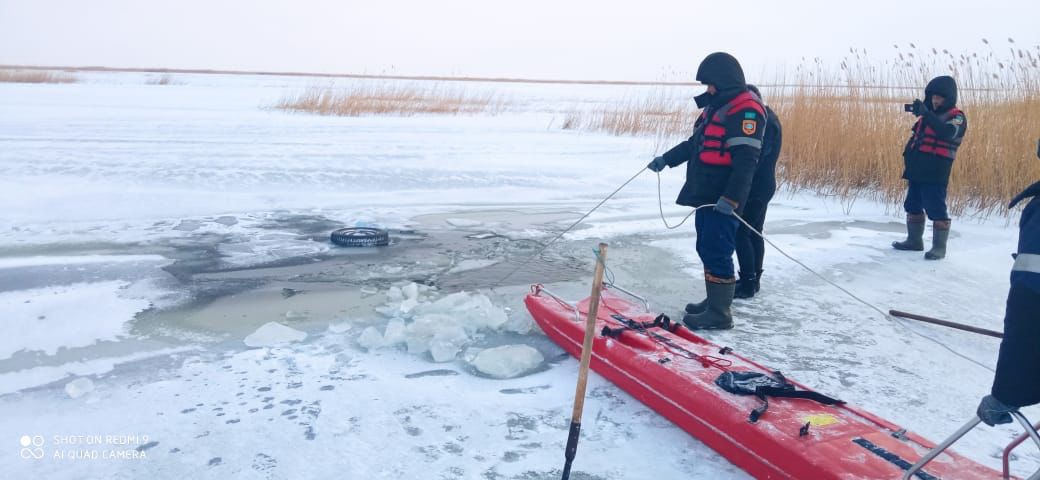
point(751, 248)
point(720, 160)
point(1017, 380)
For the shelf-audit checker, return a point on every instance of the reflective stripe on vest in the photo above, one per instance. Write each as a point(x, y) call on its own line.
point(714, 147)
point(926, 141)
point(1027, 262)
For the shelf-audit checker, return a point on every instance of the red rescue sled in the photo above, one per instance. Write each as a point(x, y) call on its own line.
point(673, 371)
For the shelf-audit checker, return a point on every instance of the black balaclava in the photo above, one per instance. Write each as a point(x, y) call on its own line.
point(944, 86)
point(723, 71)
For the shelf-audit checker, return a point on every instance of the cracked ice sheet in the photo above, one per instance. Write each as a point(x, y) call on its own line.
point(67, 316)
point(320, 410)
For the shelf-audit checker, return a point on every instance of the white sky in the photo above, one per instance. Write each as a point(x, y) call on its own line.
point(577, 39)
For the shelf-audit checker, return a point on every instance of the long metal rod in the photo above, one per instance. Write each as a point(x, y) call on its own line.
point(586, 358)
point(577, 313)
point(946, 323)
point(646, 304)
point(941, 447)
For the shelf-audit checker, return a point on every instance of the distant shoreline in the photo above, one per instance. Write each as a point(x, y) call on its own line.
point(342, 75)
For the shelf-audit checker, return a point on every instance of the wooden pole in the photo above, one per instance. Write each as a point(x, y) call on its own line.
point(586, 357)
point(945, 323)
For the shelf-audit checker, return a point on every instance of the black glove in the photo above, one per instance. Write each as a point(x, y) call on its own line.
point(657, 164)
point(993, 411)
point(919, 108)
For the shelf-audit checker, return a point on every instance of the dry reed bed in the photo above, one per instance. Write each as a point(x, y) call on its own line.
point(844, 130)
point(401, 100)
point(35, 76)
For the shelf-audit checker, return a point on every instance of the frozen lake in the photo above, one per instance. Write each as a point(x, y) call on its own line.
point(153, 233)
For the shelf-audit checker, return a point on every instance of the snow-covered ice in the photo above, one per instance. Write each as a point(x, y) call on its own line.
point(152, 234)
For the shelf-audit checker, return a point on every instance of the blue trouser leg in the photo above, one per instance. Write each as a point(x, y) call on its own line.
point(913, 204)
point(716, 241)
point(926, 197)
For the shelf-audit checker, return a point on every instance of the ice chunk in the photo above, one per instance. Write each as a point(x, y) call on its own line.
point(395, 333)
point(79, 387)
point(341, 327)
point(371, 338)
point(394, 295)
point(447, 342)
point(410, 291)
point(463, 222)
point(407, 305)
point(274, 333)
point(471, 264)
point(507, 361)
point(420, 332)
point(472, 311)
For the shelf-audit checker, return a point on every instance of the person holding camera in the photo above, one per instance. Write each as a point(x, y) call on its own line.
point(720, 156)
point(1017, 380)
point(928, 159)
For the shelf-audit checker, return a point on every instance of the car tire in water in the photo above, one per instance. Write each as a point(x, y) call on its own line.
point(360, 237)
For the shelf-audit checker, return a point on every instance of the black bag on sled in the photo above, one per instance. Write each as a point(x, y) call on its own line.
point(764, 386)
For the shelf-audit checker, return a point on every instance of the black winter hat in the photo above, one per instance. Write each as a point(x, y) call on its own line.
point(944, 86)
point(722, 70)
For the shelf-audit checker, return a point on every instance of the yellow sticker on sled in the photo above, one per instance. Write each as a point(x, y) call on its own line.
point(821, 420)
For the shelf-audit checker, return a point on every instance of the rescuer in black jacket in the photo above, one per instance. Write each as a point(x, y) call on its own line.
point(928, 158)
point(721, 157)
point(1017, 380)
point(751, 248)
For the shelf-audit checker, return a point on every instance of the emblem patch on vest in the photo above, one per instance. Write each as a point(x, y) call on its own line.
point(749, 127)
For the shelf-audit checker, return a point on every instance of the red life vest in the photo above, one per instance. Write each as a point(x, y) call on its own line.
point(925, 140)
point(712, 149)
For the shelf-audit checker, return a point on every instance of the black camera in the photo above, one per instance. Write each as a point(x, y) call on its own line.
point(908, 107)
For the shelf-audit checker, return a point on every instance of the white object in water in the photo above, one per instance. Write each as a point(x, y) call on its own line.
point(274, 333)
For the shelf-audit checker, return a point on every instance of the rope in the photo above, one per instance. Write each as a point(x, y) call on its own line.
point(561, 234)
point(825, 279)
point(660, 205)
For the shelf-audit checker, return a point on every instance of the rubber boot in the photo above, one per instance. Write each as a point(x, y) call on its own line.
point(718, 315)
point(699, 307)
point(745, 286)
point(758, 281)
point(940, 233)
point(914, 234)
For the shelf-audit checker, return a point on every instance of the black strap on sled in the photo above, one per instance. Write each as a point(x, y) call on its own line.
point(763, 387)
point(662, 321)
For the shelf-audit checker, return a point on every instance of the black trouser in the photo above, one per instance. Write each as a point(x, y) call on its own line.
point(1017, 381)
point(751, 248)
